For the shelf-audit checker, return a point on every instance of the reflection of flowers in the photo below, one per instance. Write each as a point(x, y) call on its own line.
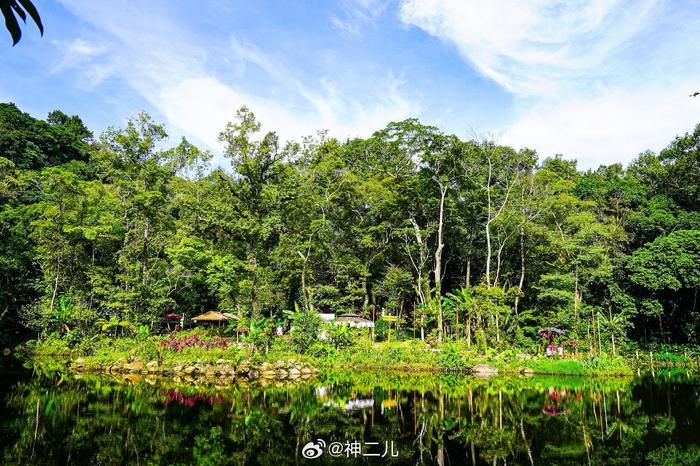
point(557, 407)
point(323, 391)
point(175, 395)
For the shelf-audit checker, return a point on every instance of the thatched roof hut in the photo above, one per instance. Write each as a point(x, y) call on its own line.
point(215, 316)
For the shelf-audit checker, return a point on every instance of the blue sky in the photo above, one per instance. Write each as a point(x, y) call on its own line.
point(598, 80)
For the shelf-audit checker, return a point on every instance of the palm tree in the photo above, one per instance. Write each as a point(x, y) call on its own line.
point(615, 323)
point(464, 299)
point(114, 323)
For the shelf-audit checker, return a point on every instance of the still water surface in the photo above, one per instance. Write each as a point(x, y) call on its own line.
point(341, 417)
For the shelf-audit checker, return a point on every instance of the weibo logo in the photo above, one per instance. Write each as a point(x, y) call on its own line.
point(313, 450)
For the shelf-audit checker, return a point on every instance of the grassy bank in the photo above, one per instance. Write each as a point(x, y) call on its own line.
point(416, 356)
point(410, 356)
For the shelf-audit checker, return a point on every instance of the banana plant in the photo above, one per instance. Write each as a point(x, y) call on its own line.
point(259, 333)
point(59, 317)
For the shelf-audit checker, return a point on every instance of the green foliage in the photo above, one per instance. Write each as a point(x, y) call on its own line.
point(123, 229)
point(259, 333)
point(671, 262)
point(306, 326)
point(380, 329)
point(673, 455)
point(115, 324)
point(452, 359)
point(340, 335)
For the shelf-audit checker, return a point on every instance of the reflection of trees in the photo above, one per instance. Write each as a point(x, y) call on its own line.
point(443, 420)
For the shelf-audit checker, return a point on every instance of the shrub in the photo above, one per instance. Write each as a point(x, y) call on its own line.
point(49, 346)
point(452, 359)
point(305, 330)
point(339, 335)
point(380, 328)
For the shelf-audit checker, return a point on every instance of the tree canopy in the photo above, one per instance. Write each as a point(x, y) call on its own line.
point(452, 236)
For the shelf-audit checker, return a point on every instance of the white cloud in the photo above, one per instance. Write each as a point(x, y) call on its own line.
point(577, 87)
point(79, 49)
point(174, 74)
point(84, 56)
point(600, 80)
point(615, 126)
point(532, 48)
point(200, 107)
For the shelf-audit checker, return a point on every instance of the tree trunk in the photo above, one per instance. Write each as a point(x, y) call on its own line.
point(421, 261)
point(576, 299)
point(488, 227)
point(303, 282)
point(55, 285)
point(422, 332)
point(469, 331)
point(593, 330)
point(365, 301)
point(467, 281)
point(521, 283)
point(457, 321)
point(498, 330)
point(438, 258)
point(144, 266)
point(488, 254)
point(612, 337)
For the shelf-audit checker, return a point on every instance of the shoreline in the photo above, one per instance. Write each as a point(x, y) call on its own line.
point(292, 369)
point(238, 362)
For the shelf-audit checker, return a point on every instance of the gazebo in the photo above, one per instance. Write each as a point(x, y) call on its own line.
point(178, 320)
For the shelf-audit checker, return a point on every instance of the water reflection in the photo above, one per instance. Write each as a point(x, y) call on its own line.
point(447, 420)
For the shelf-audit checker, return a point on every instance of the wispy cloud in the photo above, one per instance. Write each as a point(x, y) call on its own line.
point(533, 48)
point(86, 57)
point(184, 81)
point(356, 14)
point(78, 50)
point(600, 80)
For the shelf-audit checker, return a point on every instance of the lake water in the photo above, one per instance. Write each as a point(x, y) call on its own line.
point(351, 418)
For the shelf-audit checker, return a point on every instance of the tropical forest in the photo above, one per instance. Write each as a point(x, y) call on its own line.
point(457, 240)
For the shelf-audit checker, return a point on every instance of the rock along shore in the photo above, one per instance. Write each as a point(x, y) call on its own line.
point(290, 369)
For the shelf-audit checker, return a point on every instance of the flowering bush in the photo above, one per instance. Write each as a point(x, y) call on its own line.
point(194, 341)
